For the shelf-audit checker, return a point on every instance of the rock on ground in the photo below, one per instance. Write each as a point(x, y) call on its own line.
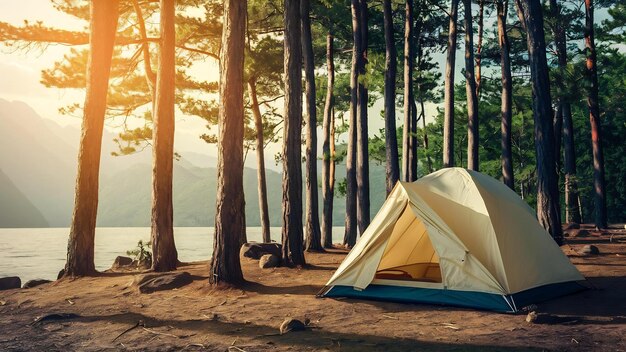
point(256, 250)
point(291, 324)
point(162, 281)
point(269, 261)
point(10, 282)
point(589, 250)
point(35, 283)
point(577, 233)
point(121, 262)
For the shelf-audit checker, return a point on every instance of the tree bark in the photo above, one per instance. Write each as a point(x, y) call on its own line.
point(145, 48)
point(362, 159)
point(328, 150)
point(409, 99)
point(479, 45)
point(391, 67)
point(448, 123)
point(351, 183)
point(572, 208)
point(470, 89)
point(313, 242)
point(564, 121)
point(293, 249)
point(102, 29)
point(164, 255)
point(419, 52)
point(558, 31)
point(594, 119)
point(548, 205)
point(507, 96)
point(260, 156)
point(230, 213)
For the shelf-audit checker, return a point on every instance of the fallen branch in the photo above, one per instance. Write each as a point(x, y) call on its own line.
point(139, 323)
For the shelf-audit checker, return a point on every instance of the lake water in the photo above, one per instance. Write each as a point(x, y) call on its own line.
point(41, 253)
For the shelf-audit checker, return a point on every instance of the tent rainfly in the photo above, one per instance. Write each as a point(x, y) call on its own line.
point(455, 237)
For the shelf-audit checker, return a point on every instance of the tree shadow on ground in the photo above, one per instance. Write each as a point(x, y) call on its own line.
point(308, 290)
point(262, 335)
point(604, 300)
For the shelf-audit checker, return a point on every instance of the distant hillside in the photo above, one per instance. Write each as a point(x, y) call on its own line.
point(39, 157)
point(15, 209)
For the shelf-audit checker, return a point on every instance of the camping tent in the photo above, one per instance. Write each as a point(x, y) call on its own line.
point(455, 237)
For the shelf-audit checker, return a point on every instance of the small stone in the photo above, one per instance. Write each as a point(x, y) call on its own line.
point(10, 282)
point(35, 283)
point(590, 250)
point(291, 324)
point(268, 261)
point(531, 317)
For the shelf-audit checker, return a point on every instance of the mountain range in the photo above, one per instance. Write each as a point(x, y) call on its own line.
point(38, 170)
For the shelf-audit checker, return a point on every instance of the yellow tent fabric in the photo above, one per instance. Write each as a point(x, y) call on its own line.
point(455, 229)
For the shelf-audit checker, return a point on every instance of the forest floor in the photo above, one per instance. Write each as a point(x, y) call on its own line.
point(199, 318)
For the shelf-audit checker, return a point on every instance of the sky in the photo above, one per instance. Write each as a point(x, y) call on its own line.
point(21, 75)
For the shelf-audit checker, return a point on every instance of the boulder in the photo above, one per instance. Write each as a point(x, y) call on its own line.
point(141, 264)
point(291, 324)
point(162, 281)
point(35, 283)
point(121, 262)
point(10, 282)
point(269, 261)
point(589, 250)
point(256, 250)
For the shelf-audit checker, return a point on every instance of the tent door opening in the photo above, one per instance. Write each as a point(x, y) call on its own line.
point(409, 254)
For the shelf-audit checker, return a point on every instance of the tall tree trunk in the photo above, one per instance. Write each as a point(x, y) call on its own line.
point(448, 123)
point(328, 152)
point(102, 29)
point(407, 138)
point(362, 159)
point(313, 242)
point(594, 119)
point(470, 89)
point(391, 67)
point(164, 255)
point(479, 45)
point(293, 247)
point(548, 211)
point(558, 31)
point(507, 96)
point(564, 120)
point(572, 208)
point(260, 156)
point(419, 52)
point(230, 213)
point(413, 133)
point(351, 183)
point(145, 48)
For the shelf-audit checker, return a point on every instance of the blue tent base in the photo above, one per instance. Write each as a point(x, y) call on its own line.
point(466, 299)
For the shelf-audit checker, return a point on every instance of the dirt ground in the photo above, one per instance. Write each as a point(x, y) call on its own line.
point(198, 318)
